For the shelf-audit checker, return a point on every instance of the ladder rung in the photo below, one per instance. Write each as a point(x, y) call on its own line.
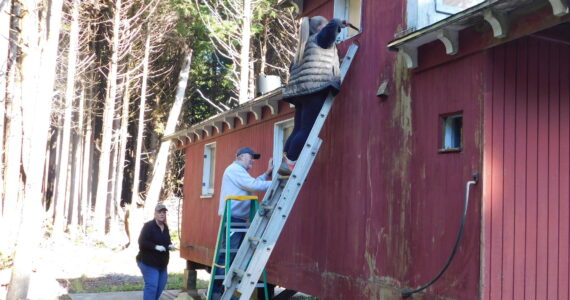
point(238, 230)
point(255, 241)
point(283, 177)
point(246, 224)
point(231, 250)
point(219, 277)
point(239, 273)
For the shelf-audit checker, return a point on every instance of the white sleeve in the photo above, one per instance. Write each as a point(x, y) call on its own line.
point(244, 181)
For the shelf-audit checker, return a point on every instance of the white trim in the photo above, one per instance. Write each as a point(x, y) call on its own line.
point(209, 166)
point(278, 142)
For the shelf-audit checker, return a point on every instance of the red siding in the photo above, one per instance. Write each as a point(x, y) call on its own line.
point(526, 209)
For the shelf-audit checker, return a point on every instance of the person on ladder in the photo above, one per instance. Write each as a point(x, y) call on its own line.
point(313, 74)
point(237, 181)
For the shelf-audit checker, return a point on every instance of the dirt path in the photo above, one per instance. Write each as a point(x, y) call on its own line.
point(96, 264)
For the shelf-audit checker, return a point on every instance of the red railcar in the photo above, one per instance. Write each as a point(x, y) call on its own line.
point(485, 90)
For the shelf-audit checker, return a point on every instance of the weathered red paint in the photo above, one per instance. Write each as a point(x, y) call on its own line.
point(526, 182)
point(381, 207)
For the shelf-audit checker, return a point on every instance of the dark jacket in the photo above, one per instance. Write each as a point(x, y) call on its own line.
point(319, 69)
point(150, 236)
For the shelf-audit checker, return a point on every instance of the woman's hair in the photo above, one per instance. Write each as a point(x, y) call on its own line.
point(309, 26)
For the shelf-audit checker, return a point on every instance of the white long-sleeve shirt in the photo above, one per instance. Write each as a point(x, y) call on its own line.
point(237, 181)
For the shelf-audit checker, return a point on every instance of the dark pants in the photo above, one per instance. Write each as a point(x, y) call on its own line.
point(236, 239)
point(307, 109)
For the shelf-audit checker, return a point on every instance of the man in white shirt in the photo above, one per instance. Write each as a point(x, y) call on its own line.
point(238, 182)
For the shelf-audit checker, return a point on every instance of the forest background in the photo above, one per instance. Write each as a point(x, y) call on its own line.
point(88, 89)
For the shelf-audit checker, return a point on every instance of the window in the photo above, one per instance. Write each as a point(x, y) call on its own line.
point(452, 138)
point(350, 10)
point(422, 13)
point(209, 167)
point(281, 133)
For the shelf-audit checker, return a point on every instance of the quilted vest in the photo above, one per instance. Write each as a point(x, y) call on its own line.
point(318, 71)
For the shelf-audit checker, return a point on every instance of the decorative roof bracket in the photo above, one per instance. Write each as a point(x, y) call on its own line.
point(450, 39)
point(218, 125)
point(498, 21)
point(208, 129)
point(229, 120)
point(273, 106)
point(256, 110)
point(242, 116)
point(559, 7)
point(410, 55)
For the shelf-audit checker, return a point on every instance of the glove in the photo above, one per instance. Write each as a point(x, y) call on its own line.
point(171, 247)
point(159, 248)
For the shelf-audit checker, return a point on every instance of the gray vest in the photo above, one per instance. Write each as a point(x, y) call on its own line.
point(318, 71)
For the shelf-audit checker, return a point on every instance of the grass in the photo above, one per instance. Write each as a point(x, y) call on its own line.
point(103, 285)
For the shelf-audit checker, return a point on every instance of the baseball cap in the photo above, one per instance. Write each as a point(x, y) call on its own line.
point(160, 207)
point(248, 150)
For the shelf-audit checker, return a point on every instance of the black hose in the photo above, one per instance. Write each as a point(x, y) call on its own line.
point(408, 293)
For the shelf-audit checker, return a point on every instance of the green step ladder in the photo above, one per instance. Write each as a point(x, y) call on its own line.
point(225, 230)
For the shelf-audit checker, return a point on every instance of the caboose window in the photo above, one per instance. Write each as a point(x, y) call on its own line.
point(209, 167)
point(422, 13)
point(452, 132)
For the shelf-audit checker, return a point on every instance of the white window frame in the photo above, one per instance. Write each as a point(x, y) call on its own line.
point(278, 144)
point(423, 13)
point(341, 11)
point(209, 168)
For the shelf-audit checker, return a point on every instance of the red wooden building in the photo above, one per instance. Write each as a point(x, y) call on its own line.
point(465, 86)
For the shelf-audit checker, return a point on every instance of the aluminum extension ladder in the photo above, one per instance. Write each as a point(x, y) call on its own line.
point(266, 227)
point(227, 227)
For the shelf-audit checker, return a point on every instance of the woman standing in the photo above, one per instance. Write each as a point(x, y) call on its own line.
point(314, 73)
point(154, 241)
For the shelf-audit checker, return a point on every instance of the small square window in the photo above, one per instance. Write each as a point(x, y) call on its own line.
point(209, 167)
point(452, 137)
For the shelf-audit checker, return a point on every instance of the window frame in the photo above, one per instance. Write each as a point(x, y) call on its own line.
point(344, 15)
point(446, 128)
point(438, 11)
point(278, 143)
point(208, 172)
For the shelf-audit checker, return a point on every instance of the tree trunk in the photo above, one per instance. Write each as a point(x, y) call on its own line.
point(70, 93)
point(140, 131)
point(133, 220)
point(13, 143)
point(124, 134)
point(162, 157)
point(4, 46)
point(36, 108)
point(87, 175)
point(77, 215)
point(106, 140)
point(244, 57)
point(63, 167)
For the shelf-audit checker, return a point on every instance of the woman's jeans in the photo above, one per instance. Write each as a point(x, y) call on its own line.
point(307, 109)
point(154, 281)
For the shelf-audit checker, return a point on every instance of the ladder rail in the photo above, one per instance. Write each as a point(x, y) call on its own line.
point(275, 225)
point(250, 261)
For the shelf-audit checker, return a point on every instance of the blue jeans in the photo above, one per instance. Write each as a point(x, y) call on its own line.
point(236, 239)
point(307, 109)
point(154, 281)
